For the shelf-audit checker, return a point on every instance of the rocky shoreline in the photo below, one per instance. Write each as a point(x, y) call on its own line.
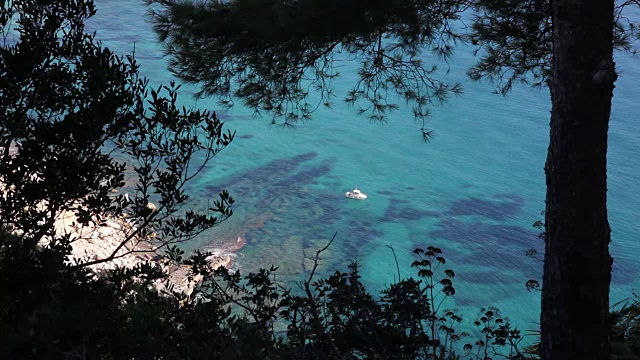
point(100, 241)
point(104, 239)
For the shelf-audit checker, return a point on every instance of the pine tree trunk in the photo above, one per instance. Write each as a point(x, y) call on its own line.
point(577, 265)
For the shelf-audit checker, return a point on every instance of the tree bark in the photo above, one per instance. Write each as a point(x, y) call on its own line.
point(577, 265)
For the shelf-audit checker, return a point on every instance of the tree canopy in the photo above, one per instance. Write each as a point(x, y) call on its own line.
point(77, 118)
point(274, 58)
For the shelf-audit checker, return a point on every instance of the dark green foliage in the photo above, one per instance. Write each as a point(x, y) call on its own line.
point(76, 118)
point(55, 311)
point(515, 40)
point(52, 311)
point(274, 57)
point(533, 284)
point(337, 318)
point(271, 54)
point(625, 330)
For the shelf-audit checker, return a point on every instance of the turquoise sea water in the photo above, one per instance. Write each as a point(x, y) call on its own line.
point(474, 191)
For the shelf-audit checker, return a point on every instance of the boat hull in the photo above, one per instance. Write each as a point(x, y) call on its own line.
point(354, 196)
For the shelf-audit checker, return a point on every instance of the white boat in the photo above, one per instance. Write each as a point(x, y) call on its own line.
point(355, 194)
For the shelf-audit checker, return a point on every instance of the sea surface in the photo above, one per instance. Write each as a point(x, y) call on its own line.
point(474, 191)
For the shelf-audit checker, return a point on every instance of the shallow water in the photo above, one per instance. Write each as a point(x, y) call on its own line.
point(475, 190)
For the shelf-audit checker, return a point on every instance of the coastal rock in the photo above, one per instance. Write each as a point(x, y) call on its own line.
point(114, 239)
point(108, 240)
point(183, 280)
point(151, 206)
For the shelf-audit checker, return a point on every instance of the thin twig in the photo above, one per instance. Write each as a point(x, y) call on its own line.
point(396, 260)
